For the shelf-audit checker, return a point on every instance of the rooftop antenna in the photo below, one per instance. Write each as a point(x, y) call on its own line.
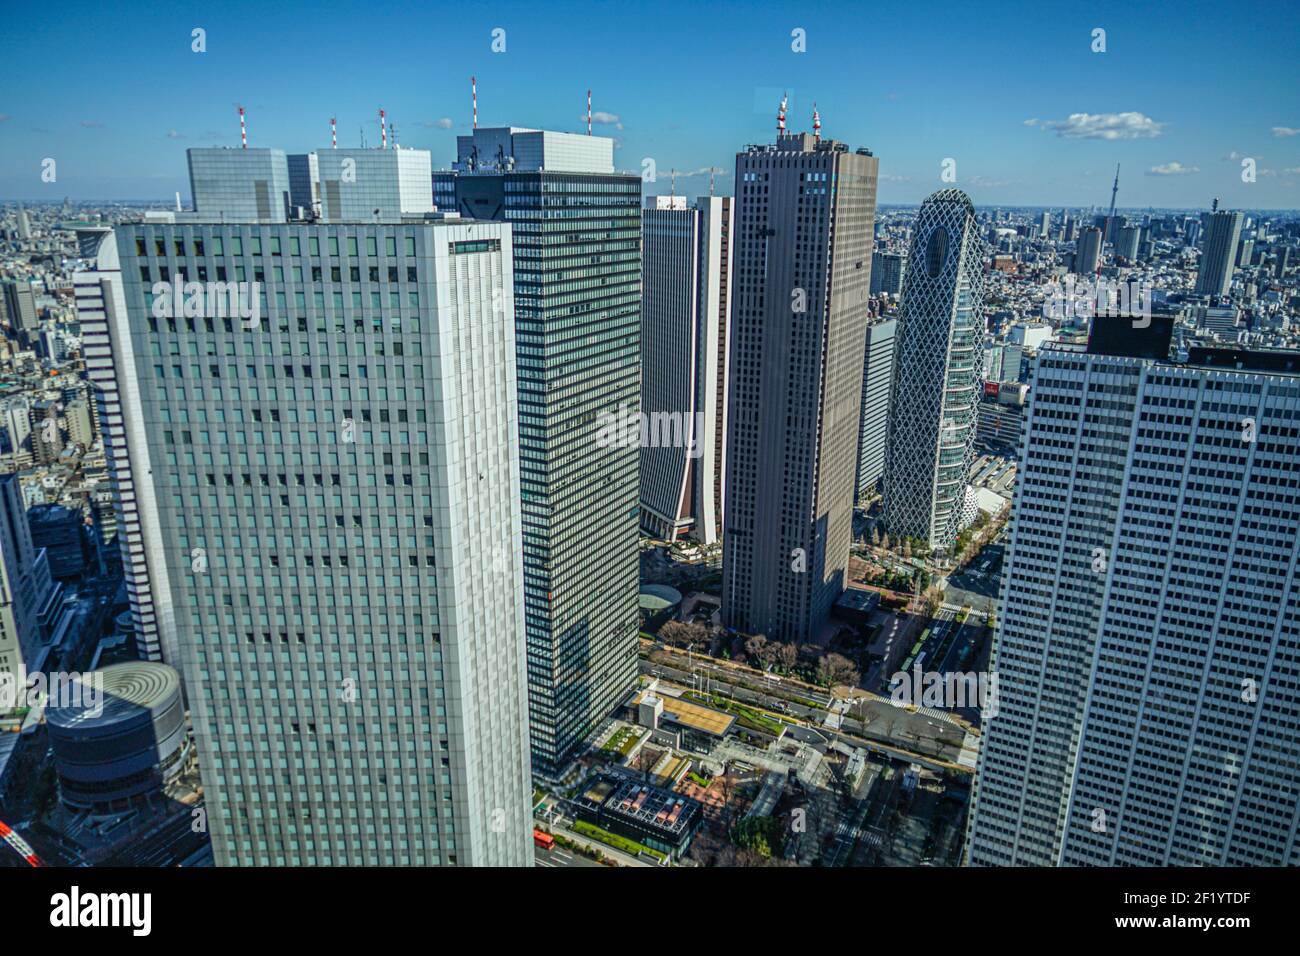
point(817, 124)
point(394, 126)
point(334, 133)
point(243, 130)
point(473, 92)
point(780, 115)
point(589, 112)
point(711, 172)
point(383, 130)
point(363, 137)
point(673, 184)
point(1214, 207)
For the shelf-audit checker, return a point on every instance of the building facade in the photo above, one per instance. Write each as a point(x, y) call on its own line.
point(1148, 642)
point(805, 221)
point(321, 528)
point(937, 374)
point(1222, 232)
point(577, 265)
point(877, 388)
point(685, 320)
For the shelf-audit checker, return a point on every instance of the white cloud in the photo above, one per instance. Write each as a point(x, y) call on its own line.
point(1283, 131)
point(601, 118)
point(444, 123)
point(1129, 125)
point(1174, 168)
point(92, 124)
point(172, 134)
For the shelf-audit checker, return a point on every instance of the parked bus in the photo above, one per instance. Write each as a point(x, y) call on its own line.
point(543, 839)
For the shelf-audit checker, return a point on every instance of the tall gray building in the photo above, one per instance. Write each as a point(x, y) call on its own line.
point(577, 263)
point(20, 307)
point(321, 526)
point(1087, 251)
point(1149, 632)
point(937, 373)
point(805, 214)
point(685, 319)
point(877, 387)
point(887, 272)
point(1222, 231)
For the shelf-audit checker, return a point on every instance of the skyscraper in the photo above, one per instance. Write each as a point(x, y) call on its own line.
point(805, 211)
point(887, 272)
point(1087, 254)
point(577, 264)
point(1148, 636)
point(877, 387)
point(685, 318)
point(1126, 243)
point(25, 585)
point(20, 307)
point(321, 524)
point(1222, 230)
point(940, 356)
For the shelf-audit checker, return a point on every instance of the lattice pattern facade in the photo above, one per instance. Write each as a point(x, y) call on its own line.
point(937, 372)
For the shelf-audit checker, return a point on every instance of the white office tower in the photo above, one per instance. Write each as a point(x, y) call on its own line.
point(685, 321)
point(321, 525)
point(1149, 635)
point(937, 373)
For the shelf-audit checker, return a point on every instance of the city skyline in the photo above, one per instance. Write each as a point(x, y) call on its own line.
point(1050, 139)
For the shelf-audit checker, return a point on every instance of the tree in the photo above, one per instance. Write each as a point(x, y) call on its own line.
point(787, 655)
point(885, 542)
point(759, 649)
point(875, 536)
point(835, 669)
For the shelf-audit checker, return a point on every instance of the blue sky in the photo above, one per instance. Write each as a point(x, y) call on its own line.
point(1180, 95)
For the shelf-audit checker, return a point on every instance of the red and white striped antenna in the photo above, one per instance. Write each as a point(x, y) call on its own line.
point(817, 124)
point(780, 115)
point(383, 130)
point(589, 112)
point(334, 132)
point(473, 93)
point(243, 129)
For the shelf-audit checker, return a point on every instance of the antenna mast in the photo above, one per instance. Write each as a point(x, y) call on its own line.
point(589, 112)
point(243, 130)
point(473, 92)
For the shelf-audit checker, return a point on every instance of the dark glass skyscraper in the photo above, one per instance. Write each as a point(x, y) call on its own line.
point(577, 262)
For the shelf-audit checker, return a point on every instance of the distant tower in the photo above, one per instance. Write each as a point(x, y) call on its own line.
point(1221, 232)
